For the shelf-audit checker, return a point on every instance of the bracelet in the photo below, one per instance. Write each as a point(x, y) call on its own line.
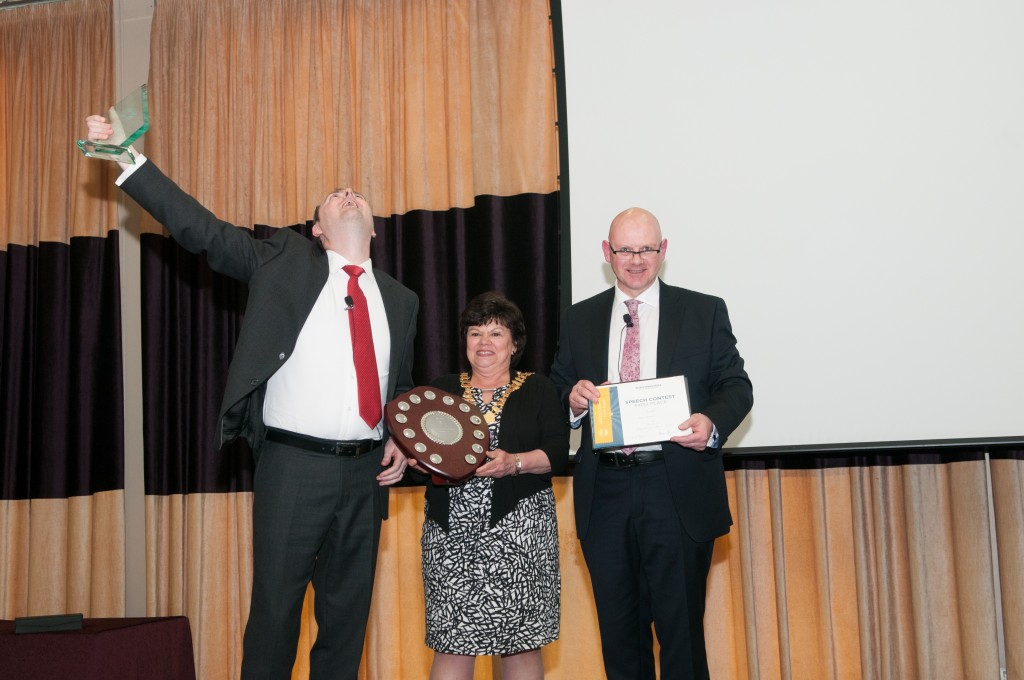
point(519, 465)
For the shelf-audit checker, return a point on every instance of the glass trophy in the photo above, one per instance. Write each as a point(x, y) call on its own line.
point(130, 119)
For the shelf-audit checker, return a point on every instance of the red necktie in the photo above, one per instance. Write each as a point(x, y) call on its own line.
point(362, 350)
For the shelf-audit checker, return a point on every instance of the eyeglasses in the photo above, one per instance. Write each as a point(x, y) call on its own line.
point(627, 254)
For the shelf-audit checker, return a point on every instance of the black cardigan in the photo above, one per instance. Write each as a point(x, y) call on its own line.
point(532, 418)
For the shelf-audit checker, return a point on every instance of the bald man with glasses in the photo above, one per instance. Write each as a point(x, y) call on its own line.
point(647, 517)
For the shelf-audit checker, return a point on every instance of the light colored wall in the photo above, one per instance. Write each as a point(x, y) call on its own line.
point(132, 20)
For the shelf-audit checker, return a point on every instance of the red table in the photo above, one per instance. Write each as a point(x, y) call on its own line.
point(132, 649)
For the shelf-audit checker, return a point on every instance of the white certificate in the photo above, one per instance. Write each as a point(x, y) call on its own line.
point(639, 412)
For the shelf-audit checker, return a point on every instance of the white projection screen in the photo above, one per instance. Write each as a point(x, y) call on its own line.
point(847, 175)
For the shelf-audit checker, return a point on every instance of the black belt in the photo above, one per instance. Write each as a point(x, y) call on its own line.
point(623, 460)
point(348, 449)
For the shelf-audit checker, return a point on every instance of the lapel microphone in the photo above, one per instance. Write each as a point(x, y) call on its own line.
point(349, 304)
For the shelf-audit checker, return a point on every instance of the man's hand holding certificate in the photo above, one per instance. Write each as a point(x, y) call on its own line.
point(640, 412)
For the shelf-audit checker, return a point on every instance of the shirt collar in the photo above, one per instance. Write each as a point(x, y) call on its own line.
point(335, 262)
point(651, 296)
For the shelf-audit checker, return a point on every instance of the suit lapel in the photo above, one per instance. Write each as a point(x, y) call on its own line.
point(396, 315)
point(671, 312)
point(599, 330)
point(317, 275)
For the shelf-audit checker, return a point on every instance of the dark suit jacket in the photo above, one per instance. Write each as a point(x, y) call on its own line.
point(285, 275)
point(532, 419)
point(694, 339)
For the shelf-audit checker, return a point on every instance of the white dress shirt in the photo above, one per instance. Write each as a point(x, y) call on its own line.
point(648, 312)
point(315, 392)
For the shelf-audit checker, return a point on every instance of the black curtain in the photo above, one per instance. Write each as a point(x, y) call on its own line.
point(61, 392)
point(191, 319)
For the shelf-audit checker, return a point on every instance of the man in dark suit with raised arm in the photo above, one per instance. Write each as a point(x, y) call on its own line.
point(325, 341)
point(647, 518)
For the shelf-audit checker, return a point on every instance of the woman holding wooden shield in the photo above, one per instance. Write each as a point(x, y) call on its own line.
point(490, 544)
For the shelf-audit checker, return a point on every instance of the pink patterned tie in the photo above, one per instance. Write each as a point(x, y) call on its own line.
point(629, 370)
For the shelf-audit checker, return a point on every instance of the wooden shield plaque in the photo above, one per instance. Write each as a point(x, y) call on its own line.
point(440, 431)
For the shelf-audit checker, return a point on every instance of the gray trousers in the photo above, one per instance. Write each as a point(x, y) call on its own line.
point(316, 519)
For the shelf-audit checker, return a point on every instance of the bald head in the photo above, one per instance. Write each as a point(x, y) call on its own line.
point(635, 249)
point(632, 219)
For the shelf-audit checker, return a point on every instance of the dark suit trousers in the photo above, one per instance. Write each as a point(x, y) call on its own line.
point(314, 519)
point(644, 568)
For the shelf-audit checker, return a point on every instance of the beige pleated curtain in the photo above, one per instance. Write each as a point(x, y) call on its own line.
point(835, 573)
point(874, 571)
point(263, 106)
point(61, 538)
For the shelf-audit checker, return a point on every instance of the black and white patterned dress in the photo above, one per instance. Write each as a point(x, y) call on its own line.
point(491, 590)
